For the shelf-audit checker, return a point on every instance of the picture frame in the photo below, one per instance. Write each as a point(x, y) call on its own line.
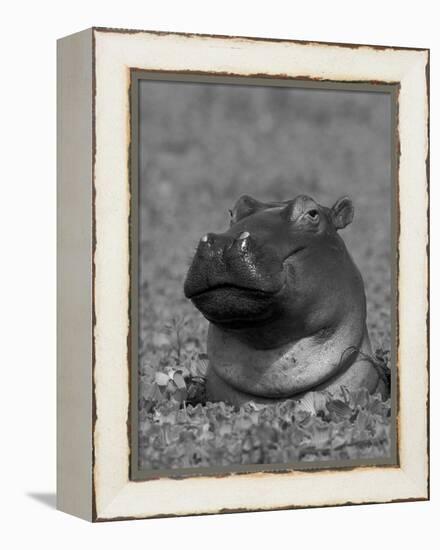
point(97, 387)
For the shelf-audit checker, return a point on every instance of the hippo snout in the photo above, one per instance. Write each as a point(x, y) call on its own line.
point(233, 277)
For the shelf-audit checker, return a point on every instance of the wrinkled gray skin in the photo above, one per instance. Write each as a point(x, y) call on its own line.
point(286, 304)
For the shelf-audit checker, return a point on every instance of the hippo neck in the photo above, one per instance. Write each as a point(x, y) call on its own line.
point(292, 368)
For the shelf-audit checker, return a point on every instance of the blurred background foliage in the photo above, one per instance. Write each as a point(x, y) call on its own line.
point(201, 147)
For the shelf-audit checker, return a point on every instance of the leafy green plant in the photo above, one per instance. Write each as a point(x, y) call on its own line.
point(175, 328)
point(176, 435)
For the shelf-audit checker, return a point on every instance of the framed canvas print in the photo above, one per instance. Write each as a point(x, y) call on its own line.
point(242, 274)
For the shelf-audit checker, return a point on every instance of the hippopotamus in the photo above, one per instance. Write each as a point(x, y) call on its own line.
point(285, 303)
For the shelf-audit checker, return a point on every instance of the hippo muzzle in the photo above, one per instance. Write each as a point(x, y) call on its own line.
point(233, 279)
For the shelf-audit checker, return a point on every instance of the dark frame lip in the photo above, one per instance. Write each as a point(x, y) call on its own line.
point(136, 75)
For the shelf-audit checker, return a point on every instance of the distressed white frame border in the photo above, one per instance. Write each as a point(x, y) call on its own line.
point(115, 53)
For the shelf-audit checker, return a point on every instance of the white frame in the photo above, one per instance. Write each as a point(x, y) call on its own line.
point(94, 80)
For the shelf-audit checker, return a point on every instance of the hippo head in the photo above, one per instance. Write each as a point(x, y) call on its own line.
point(279, 267)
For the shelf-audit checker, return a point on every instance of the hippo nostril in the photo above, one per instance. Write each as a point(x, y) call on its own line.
point(243, 241)
point(205, 246)
point(208, 240)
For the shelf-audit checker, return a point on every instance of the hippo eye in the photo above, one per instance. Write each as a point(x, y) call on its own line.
point(313, 215)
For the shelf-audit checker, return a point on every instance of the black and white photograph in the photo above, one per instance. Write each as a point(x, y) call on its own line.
point(265, 275)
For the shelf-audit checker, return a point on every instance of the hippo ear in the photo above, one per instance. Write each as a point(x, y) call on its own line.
point(342, 212)
point(245, 206)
